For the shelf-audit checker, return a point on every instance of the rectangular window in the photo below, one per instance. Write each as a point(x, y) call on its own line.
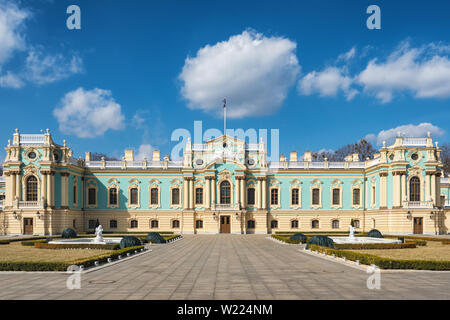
point(373, 196)
point(113, 224)
point(154, 196)
point(295, 196)
point(92, 224)
point(356, 195)
point(175, 196)
point(315, 196)
point(199, 196)
point(92, 196)
point(356, 223)
point(113, 196)
point(74, 194)
point(336, 196)
point(199, 224)
point(154, 224)
point(251, 196)
point(274, 196)
point(134, 196)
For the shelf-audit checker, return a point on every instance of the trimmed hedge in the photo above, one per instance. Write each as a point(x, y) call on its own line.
point(374, 233)
point(62, 266)
point(299, 236)
point(367, 246)
point(384, 263)
point(4, 242)
point(286, 239)
point(130, 241)
point(155, 237)
point(321, 241)
point(31, 243)
point(68, 233)
point(43, 245)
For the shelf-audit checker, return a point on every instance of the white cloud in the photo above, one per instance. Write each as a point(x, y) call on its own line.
point(253, 71)
point(145, 151)
point(408, 130)
point(421, 71)
point(11, 24)
point(89, 113)
point(347, 55)
point(11, 80)
point(327, 83)
point(42, 69)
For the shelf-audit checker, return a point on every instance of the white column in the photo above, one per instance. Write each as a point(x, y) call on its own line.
point(433, 188)
point(404, 194)
point(264, 194)
point(186, 194)
point(213, 193)
point(397, 190)
point(44, 187)
point(237, 193)
point(208, 187)
point(427, 187)
point(242, 192)
point(18, 186)
point(383, 189)
point(258, 194)
point(13, 187)
point(191, 193)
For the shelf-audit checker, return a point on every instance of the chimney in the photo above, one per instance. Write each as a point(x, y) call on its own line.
point(88, 156)
point(156, 155)
point(307, 156)
point(293, 157)
point(129, 155)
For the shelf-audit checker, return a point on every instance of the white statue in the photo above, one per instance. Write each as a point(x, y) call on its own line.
point(352, 231)
point(99, 234)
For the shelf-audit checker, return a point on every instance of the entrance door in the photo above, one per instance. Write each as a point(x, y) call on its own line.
point(418, 225)
point(28, 225)
point(225, 224)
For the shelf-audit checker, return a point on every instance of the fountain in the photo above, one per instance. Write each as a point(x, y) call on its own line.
point(97, 240)
point(352, 239)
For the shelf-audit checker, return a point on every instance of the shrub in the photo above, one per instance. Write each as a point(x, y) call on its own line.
point(30, 243)
point(374, 233)
point(323, 241)
point(368, 246)
point(299, 236)
point(4, 242)
point(155, 237)
point(43, 245)
point(68, 233)
point(130, 241)
point(286, 239)
point(385, 263)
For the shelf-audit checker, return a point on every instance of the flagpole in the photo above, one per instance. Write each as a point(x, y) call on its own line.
point(224, 117)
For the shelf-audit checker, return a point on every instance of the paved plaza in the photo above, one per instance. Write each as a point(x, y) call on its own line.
point(226, 267)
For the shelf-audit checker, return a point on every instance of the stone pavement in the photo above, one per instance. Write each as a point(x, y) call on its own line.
point(226, 267)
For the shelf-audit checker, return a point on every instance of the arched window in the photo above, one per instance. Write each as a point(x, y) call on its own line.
point(251, 224)
point(274, 224)
point(199, 196)
point(251, 196)
point(32, 188)
point(294, 224)
point(134, 224)
point(315, 224)
point(335, 224)
point(175, 224)
point(113, 196)
point(154, 224)
point(225, 192)
point(134, 196)
point(414, 189)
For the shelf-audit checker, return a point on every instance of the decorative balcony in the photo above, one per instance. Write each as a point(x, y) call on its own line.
point(29, 204)
point(227, 207)
point(418, 204)
point(31, 139)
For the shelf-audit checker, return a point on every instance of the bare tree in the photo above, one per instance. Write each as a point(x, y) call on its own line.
point(363, 147)
point(96, 156)
point(445, 157)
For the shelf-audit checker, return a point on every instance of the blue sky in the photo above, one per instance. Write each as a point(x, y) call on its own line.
point(312, 69)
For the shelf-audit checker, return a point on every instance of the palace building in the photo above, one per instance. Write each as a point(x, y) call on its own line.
point(222, 186)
